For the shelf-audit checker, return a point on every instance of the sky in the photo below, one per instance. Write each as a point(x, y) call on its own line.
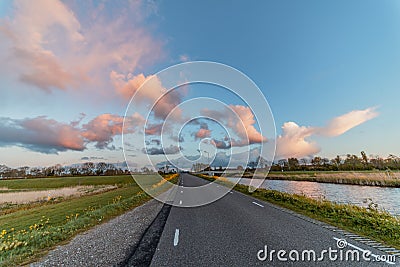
point(327, 70)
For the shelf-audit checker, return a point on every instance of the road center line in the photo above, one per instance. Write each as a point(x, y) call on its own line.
point(176, 237)
point(258, 204)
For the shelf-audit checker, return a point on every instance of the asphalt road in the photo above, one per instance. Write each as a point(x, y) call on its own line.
point(234, 231)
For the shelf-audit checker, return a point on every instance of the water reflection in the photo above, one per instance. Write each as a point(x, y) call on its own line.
point(387, 198)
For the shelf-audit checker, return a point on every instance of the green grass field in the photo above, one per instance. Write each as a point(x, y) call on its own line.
point(29, 231)
point(59, 182)
point(57, 212)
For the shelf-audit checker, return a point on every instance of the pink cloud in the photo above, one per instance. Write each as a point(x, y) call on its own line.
point(241, 120)
point(148, 90)
point(245, 127)
point(127, 88)
point(46, 135)
point(40, 134)
point(29, 31)
point(43, 70)
point(60, 134)
point(51, 49)
point(104, 127)
point(154, 129)
point(293, 141)
point(202, 133)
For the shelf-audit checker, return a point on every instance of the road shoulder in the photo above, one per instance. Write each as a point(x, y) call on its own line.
point(106, 244)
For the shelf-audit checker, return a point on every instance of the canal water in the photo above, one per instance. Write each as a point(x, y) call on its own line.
point(387, 198)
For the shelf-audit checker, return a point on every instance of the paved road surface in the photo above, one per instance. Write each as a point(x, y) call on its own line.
point(232, 231)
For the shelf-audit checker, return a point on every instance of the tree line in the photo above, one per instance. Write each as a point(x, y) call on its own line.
point(84, 169)
point(349, 162)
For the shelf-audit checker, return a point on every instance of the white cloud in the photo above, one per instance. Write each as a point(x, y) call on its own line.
point(294, 139)
point(293, 143)
point(342, 124)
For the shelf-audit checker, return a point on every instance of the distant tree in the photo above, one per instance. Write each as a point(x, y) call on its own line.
point(145, 169)
point(88, 168)
point(101, 168)
point(325, 162)
point(337, 161)
point(352, 162)
point(364, 159)
point(49, 171)
point(283, 163)
point(304, 163)
point(24, 171)
point(316, 161)
point(252, 165)
point(392, 162)
point(74, 171)
point(293, 164)
point(377, 162)
point(261, 162)
point(111, 170)
point(58, 169)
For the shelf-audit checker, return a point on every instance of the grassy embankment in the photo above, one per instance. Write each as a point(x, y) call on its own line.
point(27, 232)
point(367, 222)
point(370, 178)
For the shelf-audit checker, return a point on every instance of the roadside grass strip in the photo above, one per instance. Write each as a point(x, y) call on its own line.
point(26, 235)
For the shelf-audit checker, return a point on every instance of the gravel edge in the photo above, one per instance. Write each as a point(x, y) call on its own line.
point(106, 244)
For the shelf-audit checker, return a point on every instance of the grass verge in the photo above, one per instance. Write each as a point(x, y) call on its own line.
point(367, 222)
point(25, 235)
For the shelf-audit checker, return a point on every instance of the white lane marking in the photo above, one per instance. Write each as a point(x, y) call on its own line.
point(180, 202)
point(176, 237)
point(362, 250)
point(258, 204)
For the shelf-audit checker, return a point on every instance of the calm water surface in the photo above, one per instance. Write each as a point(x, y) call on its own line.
point(387, 198)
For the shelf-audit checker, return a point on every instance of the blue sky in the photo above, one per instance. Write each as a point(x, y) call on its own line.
point(314, 61)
